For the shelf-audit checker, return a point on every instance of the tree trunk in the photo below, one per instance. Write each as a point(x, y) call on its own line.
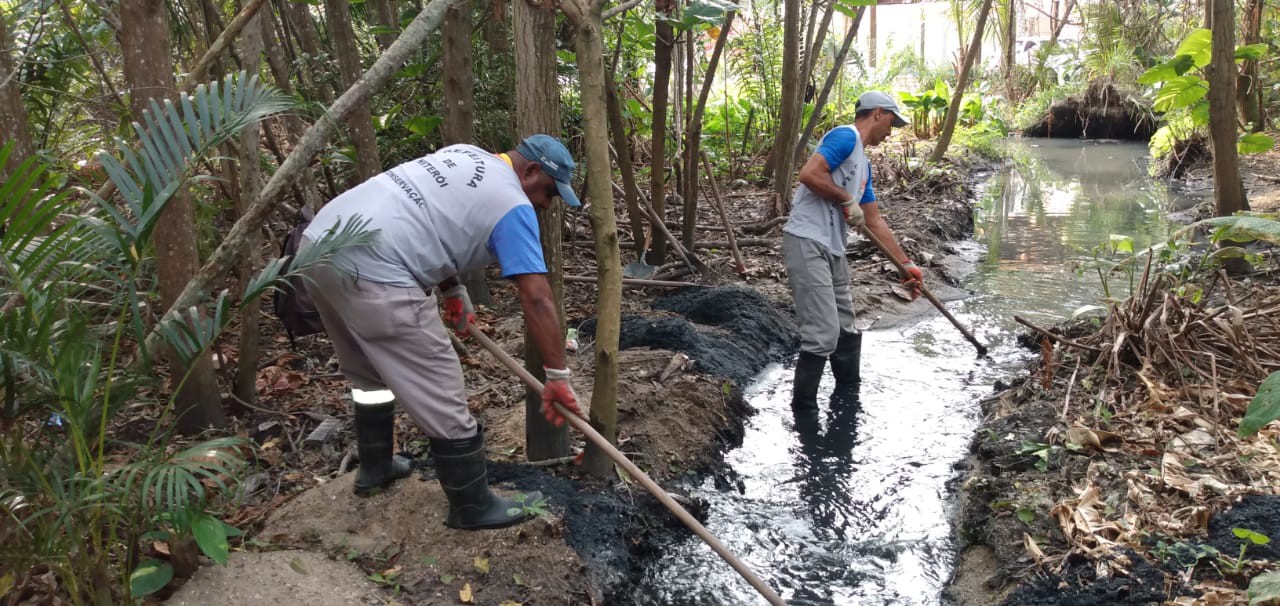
point(298, 16)
point(622, 145)
point(604, 396)
point(836, 69)
point(1010, 40)
point(953, 110)
point(14, 127)
point(387, 19)
point(871, 38)
point(309, 190)
point(1228, 191)
point(693, 135)
point(663, 44)
point(815, 50)
point(1248, 85)
point(246, 388)
point(148, 67)
point(360, 124)
point(538, 111)
point(788, 123)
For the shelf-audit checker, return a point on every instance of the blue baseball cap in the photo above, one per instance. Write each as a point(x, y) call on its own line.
point(555, 160)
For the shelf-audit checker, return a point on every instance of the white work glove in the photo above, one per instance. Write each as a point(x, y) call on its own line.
point(458, 312)
point(852, 212)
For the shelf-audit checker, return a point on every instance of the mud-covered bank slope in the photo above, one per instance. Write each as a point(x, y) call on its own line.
point(1112, 473)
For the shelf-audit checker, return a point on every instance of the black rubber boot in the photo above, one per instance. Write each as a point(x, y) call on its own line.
point(846, 360)
point(804, 398)
point(375, 429)
point(460, 465)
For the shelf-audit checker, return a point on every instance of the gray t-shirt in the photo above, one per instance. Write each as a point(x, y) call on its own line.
point(458, 209)
point(818, 218)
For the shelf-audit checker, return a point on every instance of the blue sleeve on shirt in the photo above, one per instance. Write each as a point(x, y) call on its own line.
point(869, 195)
point(516, 244)
point(837, 145)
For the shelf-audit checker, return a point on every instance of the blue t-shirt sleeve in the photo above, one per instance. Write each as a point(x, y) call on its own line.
point(868, 195)
point(516, 244)
point(837, 145)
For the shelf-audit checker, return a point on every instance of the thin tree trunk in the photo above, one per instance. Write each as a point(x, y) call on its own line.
point(820, 102)
point(148, 67)
point(604, 396)
point(236, 241)
point(788, 122)
point(622, 145)
point(386, 13)
point(300, 22)
point(815, 49)
point(871, 38)
point(953, 110)
point(307, 188)
point(1228, 191)
point(1053, 41)
point(538, 111)
point(246, 388)
point(663, 45)
point(693, 134)
point(1248, 84)
point(360, 124)
point(92, 52)
point(1011, 38)
point(14, 127)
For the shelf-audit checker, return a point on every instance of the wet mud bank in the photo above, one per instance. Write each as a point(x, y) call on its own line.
point(1119, 480)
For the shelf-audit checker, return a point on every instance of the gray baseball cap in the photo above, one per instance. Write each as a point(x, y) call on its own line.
point(876, 99)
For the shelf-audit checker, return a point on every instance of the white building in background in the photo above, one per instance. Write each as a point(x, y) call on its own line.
point(929, 28)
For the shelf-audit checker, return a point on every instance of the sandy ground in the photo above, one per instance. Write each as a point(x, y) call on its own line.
point(279, 577)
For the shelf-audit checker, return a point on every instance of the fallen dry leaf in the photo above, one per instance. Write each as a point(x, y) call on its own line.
point(464, 594)
point(1094, 438)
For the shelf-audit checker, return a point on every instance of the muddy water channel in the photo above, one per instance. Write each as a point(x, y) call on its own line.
point(862, 512)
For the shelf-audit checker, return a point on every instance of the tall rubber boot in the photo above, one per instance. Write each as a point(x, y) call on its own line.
point(379, 467)
point(846, 360)
point(460, 465)
point(804, 398)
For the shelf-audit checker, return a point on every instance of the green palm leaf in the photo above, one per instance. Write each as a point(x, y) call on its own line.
point(171, 137)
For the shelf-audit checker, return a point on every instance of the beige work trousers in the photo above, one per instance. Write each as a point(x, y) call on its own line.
point(820, 288)
point(391, 337)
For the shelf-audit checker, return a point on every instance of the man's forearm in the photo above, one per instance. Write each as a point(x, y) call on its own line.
point(543, 326)
point(882, 233)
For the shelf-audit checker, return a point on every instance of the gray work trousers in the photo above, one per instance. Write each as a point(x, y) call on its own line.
point(820, 288)
point(391, 337)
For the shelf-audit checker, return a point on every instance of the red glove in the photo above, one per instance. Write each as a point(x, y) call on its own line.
point(558, 389)
point(458, 312)
point(912, 278)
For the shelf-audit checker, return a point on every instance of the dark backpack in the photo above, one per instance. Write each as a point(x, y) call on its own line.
point(292, 302)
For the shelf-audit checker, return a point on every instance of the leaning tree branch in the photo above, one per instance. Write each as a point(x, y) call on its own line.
point(237, 240)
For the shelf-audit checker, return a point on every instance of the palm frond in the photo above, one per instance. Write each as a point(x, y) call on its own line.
point(171, 137)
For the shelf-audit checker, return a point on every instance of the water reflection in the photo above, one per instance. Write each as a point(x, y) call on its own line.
point(853, 508)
